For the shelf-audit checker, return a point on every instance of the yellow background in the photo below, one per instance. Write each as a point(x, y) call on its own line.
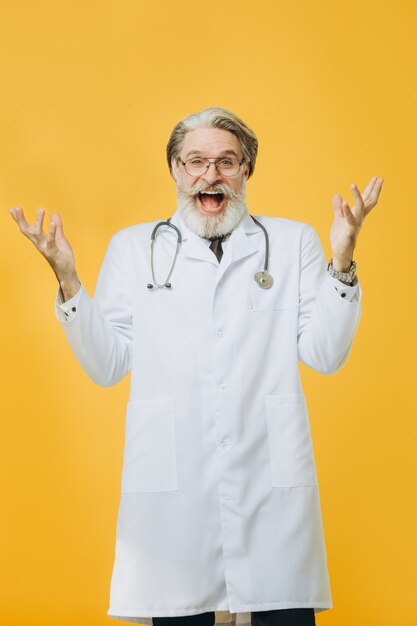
point(90, 92)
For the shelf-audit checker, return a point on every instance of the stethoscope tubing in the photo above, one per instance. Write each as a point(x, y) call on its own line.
point(263, 278)
point(266, 262)
point(179, 241)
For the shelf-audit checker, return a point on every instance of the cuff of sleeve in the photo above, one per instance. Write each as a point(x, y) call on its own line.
point(348, 292)
point(66, 311)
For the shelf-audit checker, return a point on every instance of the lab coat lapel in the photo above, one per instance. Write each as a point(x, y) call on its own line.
point(242, 243)
point(192, 246)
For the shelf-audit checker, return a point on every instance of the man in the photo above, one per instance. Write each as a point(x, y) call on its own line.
point(220, 508)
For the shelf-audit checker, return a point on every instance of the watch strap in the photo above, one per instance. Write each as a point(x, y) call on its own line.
point(348, 277)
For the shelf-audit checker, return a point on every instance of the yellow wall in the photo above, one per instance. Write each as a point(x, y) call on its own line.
point(90, 91)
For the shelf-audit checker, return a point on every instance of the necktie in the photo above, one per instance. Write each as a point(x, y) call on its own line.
point(216, 246)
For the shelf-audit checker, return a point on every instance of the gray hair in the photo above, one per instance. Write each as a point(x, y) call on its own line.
point(214, 117)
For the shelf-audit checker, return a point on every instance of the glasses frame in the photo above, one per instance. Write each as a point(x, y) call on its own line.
point(210, 161)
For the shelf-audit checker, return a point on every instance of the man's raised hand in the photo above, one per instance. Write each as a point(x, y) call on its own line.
point(53, 245)
point(348, 222)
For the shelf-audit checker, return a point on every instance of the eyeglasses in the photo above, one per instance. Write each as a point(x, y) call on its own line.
point(226, 166)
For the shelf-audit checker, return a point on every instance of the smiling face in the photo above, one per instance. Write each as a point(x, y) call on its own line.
point(211, 215)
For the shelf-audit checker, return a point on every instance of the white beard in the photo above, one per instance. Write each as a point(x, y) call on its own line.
point(211, 225)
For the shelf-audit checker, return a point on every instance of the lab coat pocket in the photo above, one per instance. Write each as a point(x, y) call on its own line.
point(290, 446)
point(149, 463)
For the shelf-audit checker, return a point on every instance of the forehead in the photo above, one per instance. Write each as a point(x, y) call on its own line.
point(211, 142)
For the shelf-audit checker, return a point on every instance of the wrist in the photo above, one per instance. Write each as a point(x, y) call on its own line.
point(342, 264)
point(69, 286)
point(347, 275)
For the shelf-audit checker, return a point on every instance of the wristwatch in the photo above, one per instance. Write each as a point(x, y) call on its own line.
point(347, 277)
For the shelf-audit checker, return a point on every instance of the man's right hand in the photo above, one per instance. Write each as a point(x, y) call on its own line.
point(53, 246)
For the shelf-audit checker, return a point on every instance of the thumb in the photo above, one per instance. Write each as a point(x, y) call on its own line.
point(337, 205)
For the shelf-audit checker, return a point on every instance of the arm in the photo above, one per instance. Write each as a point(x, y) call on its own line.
point(327, 320)
point(99, 330)
point(327, 323)
point(69, 288)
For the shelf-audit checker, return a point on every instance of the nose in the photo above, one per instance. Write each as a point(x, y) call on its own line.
point(212, 175)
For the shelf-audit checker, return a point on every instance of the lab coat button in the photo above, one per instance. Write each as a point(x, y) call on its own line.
point(73, 309)
point(219, 333)
point(224, 444)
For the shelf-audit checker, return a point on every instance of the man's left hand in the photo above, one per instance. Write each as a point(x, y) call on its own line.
point(348, 222)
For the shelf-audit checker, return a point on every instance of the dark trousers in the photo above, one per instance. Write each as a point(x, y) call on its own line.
point(278, 617)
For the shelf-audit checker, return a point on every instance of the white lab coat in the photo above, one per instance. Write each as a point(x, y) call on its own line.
point(220, 507)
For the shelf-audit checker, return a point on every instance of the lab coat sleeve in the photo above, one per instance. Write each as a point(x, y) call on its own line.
point(350, 292)
point(329, 311)
point(65, 311)
point(99, 329)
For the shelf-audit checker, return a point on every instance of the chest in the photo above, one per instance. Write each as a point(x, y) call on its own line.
point(204, 292)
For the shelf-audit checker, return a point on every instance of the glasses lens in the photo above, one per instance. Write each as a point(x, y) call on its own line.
point(226, 166)
point(195, 166)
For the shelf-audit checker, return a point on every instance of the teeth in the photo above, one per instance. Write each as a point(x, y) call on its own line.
point(211, 193)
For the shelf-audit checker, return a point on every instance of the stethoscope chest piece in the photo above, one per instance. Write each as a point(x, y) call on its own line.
point(264, 279)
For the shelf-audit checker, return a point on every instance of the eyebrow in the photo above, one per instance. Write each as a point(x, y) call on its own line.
point(224, 152)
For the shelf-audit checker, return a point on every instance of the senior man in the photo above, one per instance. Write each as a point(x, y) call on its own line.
point(219, 515)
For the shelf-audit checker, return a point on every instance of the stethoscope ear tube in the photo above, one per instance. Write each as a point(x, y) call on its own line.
point(262, 278)
point(167, 223)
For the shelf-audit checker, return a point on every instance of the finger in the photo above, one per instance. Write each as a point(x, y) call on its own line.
point(337, 205)
point(359, 204)
point(376, 189)
point(38, 227)
point(60, 230)
point(374, 195)
point(20, 219)
point(347, 214)
point(373, 189)
point(50, 237)
point(58, 221)
point(369, 187)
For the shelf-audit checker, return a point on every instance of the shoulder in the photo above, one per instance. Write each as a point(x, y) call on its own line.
point(291, 238)
point(286, 227)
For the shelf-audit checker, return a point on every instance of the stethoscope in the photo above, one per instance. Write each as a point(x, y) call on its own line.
point(263, 278)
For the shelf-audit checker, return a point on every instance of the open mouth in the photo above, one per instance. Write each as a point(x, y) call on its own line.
point(211, 202)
